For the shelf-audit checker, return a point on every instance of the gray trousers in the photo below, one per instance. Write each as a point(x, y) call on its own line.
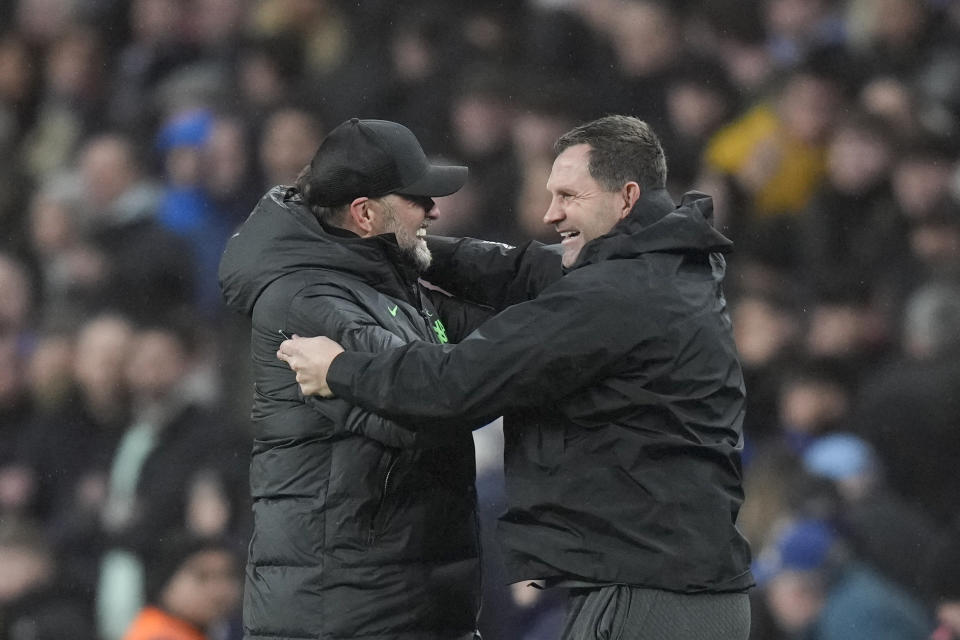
point(631, 613)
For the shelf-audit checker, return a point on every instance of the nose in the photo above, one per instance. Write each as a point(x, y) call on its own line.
point(553, 214)
point(433, 212)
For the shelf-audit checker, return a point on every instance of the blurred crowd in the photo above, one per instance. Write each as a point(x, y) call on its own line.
point(137, 134)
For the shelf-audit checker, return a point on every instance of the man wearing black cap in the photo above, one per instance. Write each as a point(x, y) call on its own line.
point(362, 527)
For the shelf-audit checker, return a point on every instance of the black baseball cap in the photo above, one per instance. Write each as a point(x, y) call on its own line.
point(374, 158)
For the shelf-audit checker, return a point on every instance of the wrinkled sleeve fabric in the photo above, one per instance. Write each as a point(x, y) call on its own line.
point(329, 309)
point(533, 354)
point(333, 312)
point(491, 273)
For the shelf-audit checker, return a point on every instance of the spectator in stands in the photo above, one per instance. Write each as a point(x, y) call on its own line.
point(35, 602)
point(775, 154)
point(193, 587)
point(290, 136)
point(186, 207)
point(70, 269)
point(852, 234)
point(542, 115)
point(767, 330)
point(172, 453)
point(884, 530)
point(795, 27)
point(700, 98)
point(923, 174)
point(935, 245)
point(229, 175)
point(73, 95)
point(155, 48)
point(149, 270)
point(16, 483)
point(816, 591)
point(901, 412)
point(814, 400)
point(480, 115)
point(68, 451)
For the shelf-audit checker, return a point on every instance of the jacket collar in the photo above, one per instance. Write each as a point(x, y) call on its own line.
point(656, 224)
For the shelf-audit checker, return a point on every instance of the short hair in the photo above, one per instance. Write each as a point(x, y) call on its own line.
point(622, 149)
point(330, 216)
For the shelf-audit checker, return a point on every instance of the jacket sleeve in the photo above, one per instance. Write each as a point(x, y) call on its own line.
point(331, 311)
point(532, 354)
point(490, 273)
point(334, 311)
point(425, 434)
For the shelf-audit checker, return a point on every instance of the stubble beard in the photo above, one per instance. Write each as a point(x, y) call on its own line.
point(413, 250)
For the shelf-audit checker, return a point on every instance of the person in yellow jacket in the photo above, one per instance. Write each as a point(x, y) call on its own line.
point(193, 585)
point(776, 151)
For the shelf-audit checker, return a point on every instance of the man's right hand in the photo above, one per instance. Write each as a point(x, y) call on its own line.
point(310, 358)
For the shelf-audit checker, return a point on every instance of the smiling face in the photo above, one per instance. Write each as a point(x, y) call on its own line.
point(408, 217)
point(580, 208)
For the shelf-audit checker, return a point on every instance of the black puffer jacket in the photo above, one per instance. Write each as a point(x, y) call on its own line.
point(363, 528)
point(623, 396)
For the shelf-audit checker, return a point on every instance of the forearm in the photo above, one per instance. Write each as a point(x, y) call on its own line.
point(420, 434)
point(492, 274)
point(532, 354)
point(364, 379)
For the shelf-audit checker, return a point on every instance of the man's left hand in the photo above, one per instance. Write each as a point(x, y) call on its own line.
point(310, 358)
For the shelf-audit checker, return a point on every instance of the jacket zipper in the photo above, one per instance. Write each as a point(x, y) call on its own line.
point(416, 297)
point(426, 315)
point(383, 497)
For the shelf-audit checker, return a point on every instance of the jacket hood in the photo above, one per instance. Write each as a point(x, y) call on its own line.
point(282, 236)
point(657, 224)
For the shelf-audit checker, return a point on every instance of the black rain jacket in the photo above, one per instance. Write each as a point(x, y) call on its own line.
point(623, 399)
point(363, 528)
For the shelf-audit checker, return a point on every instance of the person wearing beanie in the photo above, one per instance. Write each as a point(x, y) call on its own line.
point(816, 590)
point(192, 585)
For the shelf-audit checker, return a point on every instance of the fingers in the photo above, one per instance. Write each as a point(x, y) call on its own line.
point(288, 350)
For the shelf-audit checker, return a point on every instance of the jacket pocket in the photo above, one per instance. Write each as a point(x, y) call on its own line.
point(387, 467)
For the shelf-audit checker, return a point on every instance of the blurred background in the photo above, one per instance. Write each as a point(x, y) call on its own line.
point(135, 135)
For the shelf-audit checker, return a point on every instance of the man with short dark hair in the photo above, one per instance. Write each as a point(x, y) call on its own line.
point(363, 527)
point(621, 388)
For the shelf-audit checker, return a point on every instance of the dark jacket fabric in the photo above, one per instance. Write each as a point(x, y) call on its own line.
point(623, 400)
point(364, 528)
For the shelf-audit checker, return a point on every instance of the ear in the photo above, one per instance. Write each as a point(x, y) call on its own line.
point(630, 194)
point(361, 217)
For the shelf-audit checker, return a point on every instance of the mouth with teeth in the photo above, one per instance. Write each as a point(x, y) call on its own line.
point(568, 235)
point(422, 232)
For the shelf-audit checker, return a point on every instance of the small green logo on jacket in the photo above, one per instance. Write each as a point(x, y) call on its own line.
point(441, 331)
point(393, 310)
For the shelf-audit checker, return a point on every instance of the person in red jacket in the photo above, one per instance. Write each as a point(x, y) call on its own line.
point(193, 585)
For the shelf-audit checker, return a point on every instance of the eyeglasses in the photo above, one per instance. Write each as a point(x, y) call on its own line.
point(424, 202)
